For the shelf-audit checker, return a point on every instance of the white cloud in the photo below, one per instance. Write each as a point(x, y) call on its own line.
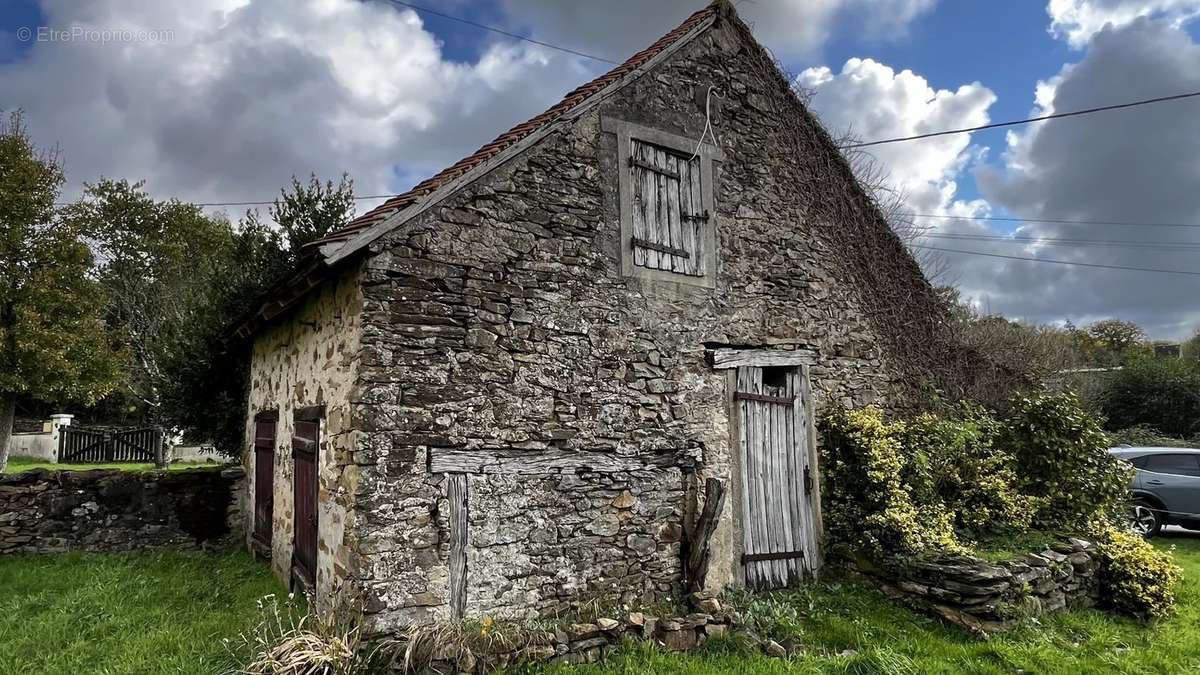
point(1136, 165)
point(246, 93)
point(873, 101)
point(617, 28)
point(1077, 21)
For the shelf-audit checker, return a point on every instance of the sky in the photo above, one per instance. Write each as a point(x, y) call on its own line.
point(225, 100)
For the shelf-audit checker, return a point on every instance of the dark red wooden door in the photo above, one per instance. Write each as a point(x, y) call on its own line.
point(264, 479)
point(304, 453)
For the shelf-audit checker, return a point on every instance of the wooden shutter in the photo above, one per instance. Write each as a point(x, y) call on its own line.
point(668, 219)
point(305, 437)
point(264, 476)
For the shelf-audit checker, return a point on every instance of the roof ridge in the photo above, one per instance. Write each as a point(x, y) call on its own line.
point(505, 140)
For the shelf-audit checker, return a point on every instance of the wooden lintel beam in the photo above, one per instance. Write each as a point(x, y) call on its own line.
point(514, 461)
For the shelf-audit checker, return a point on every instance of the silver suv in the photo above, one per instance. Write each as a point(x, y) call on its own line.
point(1166, 488)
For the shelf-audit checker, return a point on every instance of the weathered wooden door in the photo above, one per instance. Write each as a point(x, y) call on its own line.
point(304, 485)
point(264, 477)
point(779, 500)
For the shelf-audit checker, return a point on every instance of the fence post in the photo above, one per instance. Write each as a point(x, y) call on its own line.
point(160, 454)
point(57, 422)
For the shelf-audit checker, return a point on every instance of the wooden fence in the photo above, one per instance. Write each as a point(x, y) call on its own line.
point(79, 445)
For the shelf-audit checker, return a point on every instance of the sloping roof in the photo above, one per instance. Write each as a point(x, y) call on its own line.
point(323, 255)
point(509, 138)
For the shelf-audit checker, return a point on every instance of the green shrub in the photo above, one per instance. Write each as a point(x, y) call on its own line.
point(870, 507)
point(956, 463)
point(1063, 460)
point(1147, 436)
point(1160, 393)
point(1135, 578)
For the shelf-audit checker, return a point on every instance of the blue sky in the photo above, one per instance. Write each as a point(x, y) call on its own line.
point(242, 94)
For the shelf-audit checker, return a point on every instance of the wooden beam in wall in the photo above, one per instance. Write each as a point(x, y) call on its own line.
point(513, 461)
point(760, 358)
point(459, 516)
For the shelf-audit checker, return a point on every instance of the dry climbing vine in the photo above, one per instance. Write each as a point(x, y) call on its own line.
point(910, 319)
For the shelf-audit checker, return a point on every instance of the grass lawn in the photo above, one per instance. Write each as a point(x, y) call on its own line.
point(19, 464)
point(136, 613)
point(168, 612)
point(883, 637)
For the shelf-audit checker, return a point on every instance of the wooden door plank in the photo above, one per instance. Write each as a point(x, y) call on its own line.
point(786, 479)
point(811, 456)
point(661, 232)
point(758, 505)
point(638, 183)
point(762, 533)
point(771, 492)
point(457, 494)
point(678, 263)
point(650, 194)
point(696, 227)
point(749, 506)
point(796, 484)
point(688, 232)
point(783, 519)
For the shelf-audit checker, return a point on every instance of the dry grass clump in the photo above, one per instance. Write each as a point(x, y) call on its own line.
point(466, 645)
point(289, 641)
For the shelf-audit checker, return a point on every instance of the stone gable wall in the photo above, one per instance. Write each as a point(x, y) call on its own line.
point(307, 359)
point(44, 511)
point(501, 320)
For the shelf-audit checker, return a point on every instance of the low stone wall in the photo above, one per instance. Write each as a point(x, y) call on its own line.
point(990, 596)
point(589, 642)
point(45, 511)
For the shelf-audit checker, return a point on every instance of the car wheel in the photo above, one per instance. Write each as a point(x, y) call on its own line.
point(1144, 519)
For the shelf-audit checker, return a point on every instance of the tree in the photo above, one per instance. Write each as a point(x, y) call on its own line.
point(54, 342)
point(1116, 338)
point(156, 260)
point(312, 211)
point(1191, 348)
point(1033, 351)
point(1160, 393)
point(207, 381)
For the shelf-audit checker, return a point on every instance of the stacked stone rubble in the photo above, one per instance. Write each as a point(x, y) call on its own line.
point(110, 510)
point(990, 596)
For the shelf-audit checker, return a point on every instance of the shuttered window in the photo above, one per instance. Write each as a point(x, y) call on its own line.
point(668, 214)
point(264, 475)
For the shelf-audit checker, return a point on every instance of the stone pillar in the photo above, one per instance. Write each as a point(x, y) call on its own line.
point(57, 422)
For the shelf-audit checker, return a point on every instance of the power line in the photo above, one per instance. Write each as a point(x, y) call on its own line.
point(1055, 241)
point(266, 203)
point(1056, 262)
point(1055, 221)
point(997, 125)
point(433, 12)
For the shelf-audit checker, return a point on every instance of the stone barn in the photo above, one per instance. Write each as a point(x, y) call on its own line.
point(515, 389)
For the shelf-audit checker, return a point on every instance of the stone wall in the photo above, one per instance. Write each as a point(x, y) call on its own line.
point(500, 321)
point(987, 597)
point(309, 359)
point(45, 511)
point(588, 642)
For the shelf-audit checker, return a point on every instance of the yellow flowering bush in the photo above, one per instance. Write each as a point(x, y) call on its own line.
point(870, 506)
point(1136, 578)
point(928, 485)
